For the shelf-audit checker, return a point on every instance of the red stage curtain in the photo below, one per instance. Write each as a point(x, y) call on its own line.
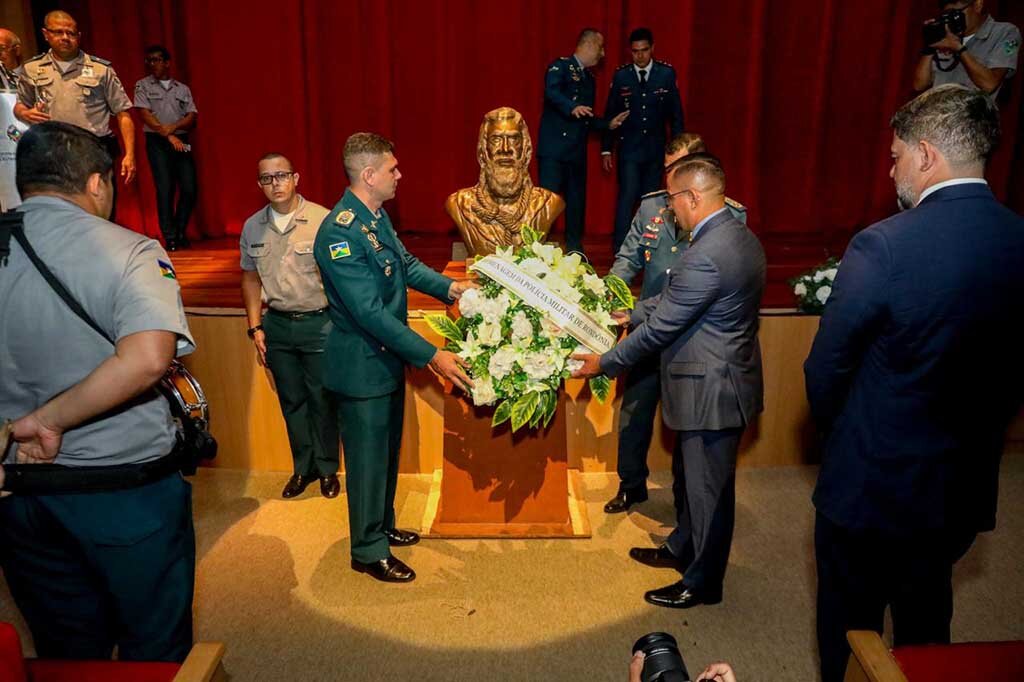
point(794, 96)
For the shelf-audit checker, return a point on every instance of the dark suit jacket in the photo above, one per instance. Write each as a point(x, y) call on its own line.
point(653, 110)
point(563, 137)
point(917, 366)
point(704, 323)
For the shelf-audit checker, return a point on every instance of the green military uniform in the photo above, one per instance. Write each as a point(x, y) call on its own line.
point(651, 246)
point(296, 327)
point(366, 271)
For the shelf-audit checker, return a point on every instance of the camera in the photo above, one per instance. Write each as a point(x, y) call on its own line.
point(935, 30)
point(662, 660)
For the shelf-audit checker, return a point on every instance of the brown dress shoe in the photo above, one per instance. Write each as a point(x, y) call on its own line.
point(296, 485)
point(401, 538)
point(330, 486)
point(390, 570)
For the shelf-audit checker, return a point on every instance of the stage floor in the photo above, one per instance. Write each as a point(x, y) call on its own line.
point(210, 276)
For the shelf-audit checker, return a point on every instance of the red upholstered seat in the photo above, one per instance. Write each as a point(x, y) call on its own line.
point(968, 662)
point(15, 668)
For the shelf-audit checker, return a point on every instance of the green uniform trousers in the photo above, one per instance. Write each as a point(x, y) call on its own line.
point(295, 356)
point(371, 433)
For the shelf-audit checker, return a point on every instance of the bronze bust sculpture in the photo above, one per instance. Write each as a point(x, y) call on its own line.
point(492, 213)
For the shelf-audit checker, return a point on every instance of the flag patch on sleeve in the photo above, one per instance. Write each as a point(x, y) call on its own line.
point(166, 269)
point(340, 250)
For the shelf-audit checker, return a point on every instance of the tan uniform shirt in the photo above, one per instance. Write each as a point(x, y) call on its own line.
point(284, 260)
point(87, 94)
point(169, 105)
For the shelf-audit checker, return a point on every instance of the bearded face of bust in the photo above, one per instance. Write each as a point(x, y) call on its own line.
point(504, 154)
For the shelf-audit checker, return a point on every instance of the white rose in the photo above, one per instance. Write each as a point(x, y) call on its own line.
point(522, 328)
point(501, 362)
point(594, 283)
point(800, 289)
point(819, 275)
point(823, 293)
point(535, 267)
point(470, 303)
point(489, 334)
point(483, 391)
point(831, 273)
point(538, 365)
point(570, 266)
point(495, 308)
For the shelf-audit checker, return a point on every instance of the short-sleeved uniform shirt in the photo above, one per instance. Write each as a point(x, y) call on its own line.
point(996, 44)
point(126, 283)
point(169, 104)
point(284, 260)
point(86, 95)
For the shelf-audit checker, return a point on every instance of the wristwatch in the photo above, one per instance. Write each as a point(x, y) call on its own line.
point(251, 331)
point(963, 48)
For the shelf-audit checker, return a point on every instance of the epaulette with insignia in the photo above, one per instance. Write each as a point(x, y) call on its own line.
point(625, 66)
point(735, 204)
point(345, 217)
point(656, 193)
point(664, 63)
point(36, 58)
point(100, 60)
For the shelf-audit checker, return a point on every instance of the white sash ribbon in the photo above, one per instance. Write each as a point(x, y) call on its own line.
point(570, 317)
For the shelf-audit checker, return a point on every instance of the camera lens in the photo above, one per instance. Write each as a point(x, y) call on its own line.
point(662, 660)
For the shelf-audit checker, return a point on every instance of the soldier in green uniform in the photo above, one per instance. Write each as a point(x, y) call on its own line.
point(366, 271)
point(277, 261)
point(651, 246)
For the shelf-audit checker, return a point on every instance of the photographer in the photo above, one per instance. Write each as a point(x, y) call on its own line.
point(976, 51)
point(716, 672)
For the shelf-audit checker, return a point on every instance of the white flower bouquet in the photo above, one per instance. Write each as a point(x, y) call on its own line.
point(509, 332)
point(813, 288)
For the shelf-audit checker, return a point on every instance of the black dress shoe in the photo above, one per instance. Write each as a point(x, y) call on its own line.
point(401, 538)
point(679, 596)
point(330, 486)
point(296, 485)
point(624, 499)
point(171, 246)
point(390, 570)
point(658, 557)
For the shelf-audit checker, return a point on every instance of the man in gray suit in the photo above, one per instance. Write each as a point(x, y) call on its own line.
point(704, 323)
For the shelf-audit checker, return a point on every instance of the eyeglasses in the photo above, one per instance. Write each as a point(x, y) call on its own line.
point(62, 34)
point(675, 194)
point(271, 178)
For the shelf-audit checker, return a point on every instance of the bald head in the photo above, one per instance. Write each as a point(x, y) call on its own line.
point(58, 15)
point(10, 49)
point(696, 189)
point(60, 30)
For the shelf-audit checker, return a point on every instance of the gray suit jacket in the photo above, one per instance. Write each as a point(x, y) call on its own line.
point(704, 323)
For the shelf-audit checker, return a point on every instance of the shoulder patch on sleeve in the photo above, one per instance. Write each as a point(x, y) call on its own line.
point(166, 269)
point(345, 218)
point(1011, 45)
point(339, 250)
point(735, 204)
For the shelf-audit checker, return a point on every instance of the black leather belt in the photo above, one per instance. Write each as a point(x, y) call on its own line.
point(55, 479)
point(297, 316)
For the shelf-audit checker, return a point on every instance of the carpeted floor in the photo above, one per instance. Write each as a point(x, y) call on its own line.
point(274, 584)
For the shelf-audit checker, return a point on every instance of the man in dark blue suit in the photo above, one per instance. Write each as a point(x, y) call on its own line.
point(704, 324)
point(648, 88)
point(914, 376)
point(567, 119)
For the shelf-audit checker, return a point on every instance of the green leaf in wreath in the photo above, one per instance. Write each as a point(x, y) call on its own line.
point(502, 414)
point(445, 326)
point(550, 407)
point(620, 291)
point(523, 409)
point(601, 387)
point(538, 413)
point(529, 235)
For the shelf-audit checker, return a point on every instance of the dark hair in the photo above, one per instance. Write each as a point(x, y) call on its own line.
point(960, 122)
point(691, 142)
point(362, 150)
point(161, 49)
point(706, 167)
point(587, 34)
point(639, 34)
point(274, 155)
point(59, 157)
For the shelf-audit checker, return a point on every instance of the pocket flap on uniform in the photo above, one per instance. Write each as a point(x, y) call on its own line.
point(257, 250)
point(303, 247)
point(686, 369)
point(87, 81)
point(43, 80)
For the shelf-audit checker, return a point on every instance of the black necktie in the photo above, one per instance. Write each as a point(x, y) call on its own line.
point(643, 78)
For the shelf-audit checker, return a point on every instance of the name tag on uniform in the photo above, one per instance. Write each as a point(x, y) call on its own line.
point(87, 71)
point(650, 235)
point(340, 250)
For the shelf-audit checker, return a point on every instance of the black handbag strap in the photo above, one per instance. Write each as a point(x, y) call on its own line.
point(15, 221)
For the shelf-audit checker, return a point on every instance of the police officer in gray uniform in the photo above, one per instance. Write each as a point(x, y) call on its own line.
point(66, 84)
point(650, 246)
point(277, 259)
point(100, 551)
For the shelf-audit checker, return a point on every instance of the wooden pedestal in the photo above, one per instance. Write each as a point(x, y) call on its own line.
point(494, 483)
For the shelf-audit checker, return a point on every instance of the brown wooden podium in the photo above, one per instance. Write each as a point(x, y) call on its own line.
point(494, 483)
